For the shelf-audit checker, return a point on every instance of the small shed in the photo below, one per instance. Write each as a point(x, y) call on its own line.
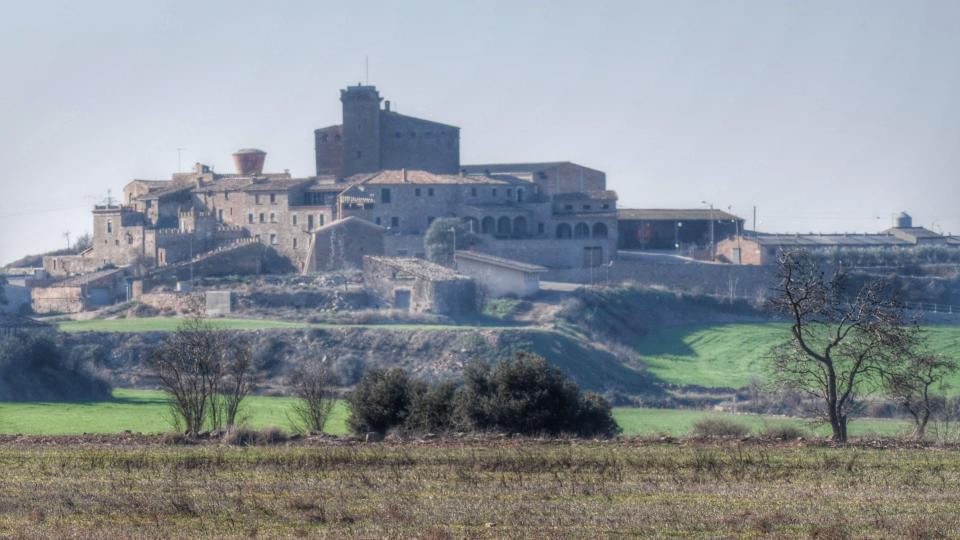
point(498, 276)
point(418, 285)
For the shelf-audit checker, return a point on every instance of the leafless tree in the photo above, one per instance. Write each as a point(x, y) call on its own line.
point(205, 374)
point(843, 342)
point(919, 388)
point(313, 387)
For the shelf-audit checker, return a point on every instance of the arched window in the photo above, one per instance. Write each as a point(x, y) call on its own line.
point(487, 225)
point(563, 231)
point(599, 230)
point(582, 230)
point(519, 226)
point(472, 224)
point(503, 226)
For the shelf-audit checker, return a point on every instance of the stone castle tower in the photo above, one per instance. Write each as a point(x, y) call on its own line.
point(372, 138)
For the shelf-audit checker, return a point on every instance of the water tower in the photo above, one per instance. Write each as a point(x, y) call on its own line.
point(249, 161)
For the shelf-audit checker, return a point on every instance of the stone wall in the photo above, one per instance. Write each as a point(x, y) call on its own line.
point(67, 265)
point(343, 244)
point(741, 281)
point(558, 254)
point(58, 300)
point(446, 293)
point(174, 302)
point(417, 144)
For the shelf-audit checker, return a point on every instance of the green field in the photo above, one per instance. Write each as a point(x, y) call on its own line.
point(139, 411)
point(145, 411)
point(729, 355)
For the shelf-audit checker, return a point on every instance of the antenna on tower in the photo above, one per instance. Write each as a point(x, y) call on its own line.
point(366, 69)
point(109, 198)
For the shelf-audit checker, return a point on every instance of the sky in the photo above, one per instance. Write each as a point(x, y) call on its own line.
point(828, 116)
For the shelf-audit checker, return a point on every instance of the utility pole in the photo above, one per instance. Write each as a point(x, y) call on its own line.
point(754, 222)
point(67, 236)
point(453, 254)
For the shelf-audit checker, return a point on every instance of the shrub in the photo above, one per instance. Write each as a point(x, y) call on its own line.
point(379, 401)
point(785, 432)
point(719, 427)
point(529, 396)
point(430, 408)
point(35, 368)
point(244, 436)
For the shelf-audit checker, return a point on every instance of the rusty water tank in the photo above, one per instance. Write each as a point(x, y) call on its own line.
point(249, 161)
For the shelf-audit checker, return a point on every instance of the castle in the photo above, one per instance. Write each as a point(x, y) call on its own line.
point(392, 171)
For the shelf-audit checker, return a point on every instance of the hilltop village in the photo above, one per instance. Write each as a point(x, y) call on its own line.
point(381, 180)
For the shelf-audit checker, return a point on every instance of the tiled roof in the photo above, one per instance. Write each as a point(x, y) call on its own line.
point(673, 214)
point(395, 120)
point(347, 221)
point(499, 261)
point(605, 195)
point(912, 232)
point(518, 167)
point(394, 177)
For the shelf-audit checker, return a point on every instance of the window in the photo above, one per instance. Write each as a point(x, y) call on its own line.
point(249, 218)
point(321, 220)
point(416, 192)
point(494, 192)
point(568, 207)
point(599, 230)
point(273, 198)
point(385, 195)
point(294, 243)
point(116, 242)
point(539, 228)
point(256, 199)
point(310, 222)
point(273, 217)
point(220, 214)
point(429, 192)
point(564, 231)
point(261, 218)
point(581, 230)
point(394, 222)
point(294, 219)
point(377, 221)
point(273, 239)
point(509, 192)
point(473, 192)
point(226, 195)
point(256, 237)
point(605, 206)
point(109, 226)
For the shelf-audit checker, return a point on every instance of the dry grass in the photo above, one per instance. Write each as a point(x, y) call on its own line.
point(507, 489)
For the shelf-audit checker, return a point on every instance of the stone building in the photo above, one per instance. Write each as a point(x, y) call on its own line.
point(81, 293)
point(391, 170)
point(419, 286)
point(497, 276)
point(343, 244)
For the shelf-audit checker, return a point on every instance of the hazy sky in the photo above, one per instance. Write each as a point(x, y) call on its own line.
point(827, 115)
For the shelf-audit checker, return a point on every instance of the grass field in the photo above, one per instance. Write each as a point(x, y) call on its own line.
point(729, 355)
point(144, 411)
point(502, 489)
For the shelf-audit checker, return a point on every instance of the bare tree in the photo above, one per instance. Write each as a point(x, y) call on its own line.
point(205, 374)
point(919, 388)
point(313, 387)
point(842, 342)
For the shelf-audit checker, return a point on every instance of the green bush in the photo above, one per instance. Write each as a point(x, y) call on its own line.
point(785, 432)
point(35, 368)
point(529, 396)
point(431, 407)
point(719, 427)
point(380, 401)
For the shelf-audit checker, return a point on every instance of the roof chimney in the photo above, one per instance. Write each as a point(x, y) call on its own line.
point(386, 105)
point(404, 171)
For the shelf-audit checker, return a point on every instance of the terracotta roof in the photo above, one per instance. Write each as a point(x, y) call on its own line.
point(499, 261)
point(249, 151)
point(913, 233)
point(586, 196)
point(673, 214)
point(532, 167)
point(396, 177)
point(395, 120)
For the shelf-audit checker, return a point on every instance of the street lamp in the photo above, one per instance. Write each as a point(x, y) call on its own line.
point(713, 254)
